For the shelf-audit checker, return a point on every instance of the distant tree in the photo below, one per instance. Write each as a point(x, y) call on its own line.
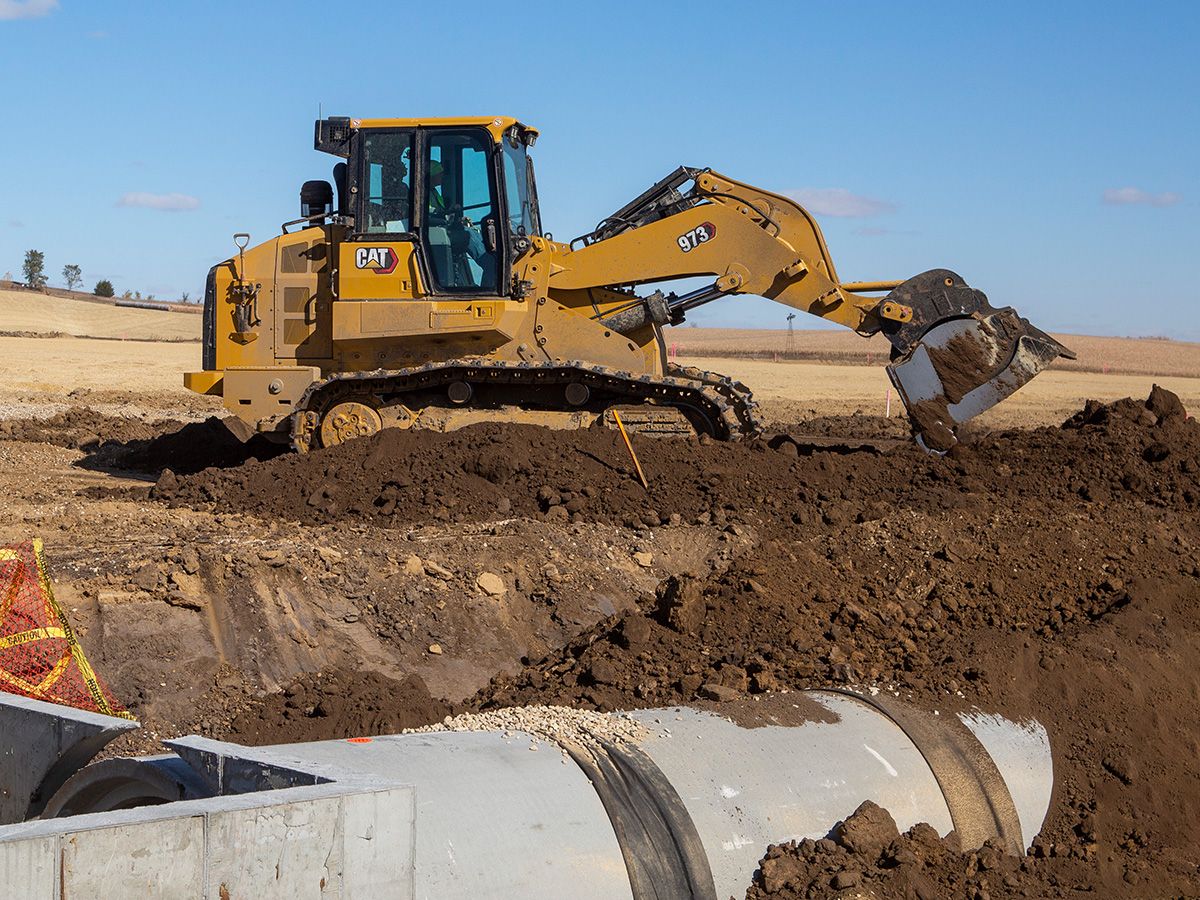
point(185, 297)
point(104, 288)
point(72, 275)
point(149, 296)
point(137, 295)
point(128, 295)
point(35, 269)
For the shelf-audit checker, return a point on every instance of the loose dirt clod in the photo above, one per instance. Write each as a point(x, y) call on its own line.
point(867, 853)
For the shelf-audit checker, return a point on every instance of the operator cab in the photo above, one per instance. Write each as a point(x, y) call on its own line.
point(461, 191)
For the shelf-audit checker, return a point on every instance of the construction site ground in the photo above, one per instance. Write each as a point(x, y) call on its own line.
point(1039, 571)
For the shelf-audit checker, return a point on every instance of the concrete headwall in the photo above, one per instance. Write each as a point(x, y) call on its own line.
point(319, 841)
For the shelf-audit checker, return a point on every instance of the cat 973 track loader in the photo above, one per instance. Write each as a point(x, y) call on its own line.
point(428, 296)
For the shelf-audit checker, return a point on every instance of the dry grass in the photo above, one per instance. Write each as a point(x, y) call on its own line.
point(1128, 356)
point(35, 313)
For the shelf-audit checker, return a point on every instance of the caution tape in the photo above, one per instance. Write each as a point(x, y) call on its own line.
point(55, 626)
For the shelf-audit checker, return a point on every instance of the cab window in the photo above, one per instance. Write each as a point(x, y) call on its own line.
point(388, 181)
point(460, 211)
point(518, 184)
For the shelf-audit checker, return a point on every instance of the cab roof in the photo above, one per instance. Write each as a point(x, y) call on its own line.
point(497, 125)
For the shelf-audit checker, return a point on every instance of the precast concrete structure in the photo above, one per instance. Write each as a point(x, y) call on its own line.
point(686, 808)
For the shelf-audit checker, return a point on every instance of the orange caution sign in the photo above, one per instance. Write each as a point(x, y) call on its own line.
point(40, 656)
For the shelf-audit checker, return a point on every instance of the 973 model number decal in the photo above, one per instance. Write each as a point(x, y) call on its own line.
point(701, 234)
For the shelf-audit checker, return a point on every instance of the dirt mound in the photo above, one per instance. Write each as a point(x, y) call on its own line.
point(82, 428)
point(198, 446)
point(139, 445)
point(1121, 449)
point(185, 448)
point(866, 856)
point(338, 704)
point(1052, 574)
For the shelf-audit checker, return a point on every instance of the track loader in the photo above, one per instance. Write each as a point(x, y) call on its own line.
point(428, 295)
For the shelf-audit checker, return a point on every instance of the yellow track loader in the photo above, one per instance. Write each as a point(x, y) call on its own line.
point(428, 295)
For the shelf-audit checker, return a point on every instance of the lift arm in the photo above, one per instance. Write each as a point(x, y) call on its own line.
point(954, 355)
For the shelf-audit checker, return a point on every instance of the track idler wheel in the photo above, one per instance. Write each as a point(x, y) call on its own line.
point(348, 420)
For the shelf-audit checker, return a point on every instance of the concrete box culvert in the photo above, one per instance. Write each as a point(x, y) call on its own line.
point(682, 803)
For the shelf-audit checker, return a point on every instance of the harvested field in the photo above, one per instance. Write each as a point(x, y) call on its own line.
point(1118, 356)
point(34, 313)
point(1046, 573)
point(791, 392)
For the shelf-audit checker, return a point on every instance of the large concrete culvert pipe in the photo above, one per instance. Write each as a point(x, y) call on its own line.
point(689, 807)
point(679, 803)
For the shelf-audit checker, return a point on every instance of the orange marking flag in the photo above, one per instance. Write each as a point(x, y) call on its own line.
point(40, 656)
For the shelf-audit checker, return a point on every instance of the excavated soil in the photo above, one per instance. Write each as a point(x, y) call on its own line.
point(323, 706)
point(80, 427)
point(1050, 573)
point(865, 856)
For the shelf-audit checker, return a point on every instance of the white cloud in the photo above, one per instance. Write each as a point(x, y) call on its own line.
point(163, 202)
point(26, 9)
point(839, 203)
point(1131, 196)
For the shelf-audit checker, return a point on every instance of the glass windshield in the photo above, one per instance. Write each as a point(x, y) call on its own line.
point(388, 180)
point(458, 200)
point(518, 179)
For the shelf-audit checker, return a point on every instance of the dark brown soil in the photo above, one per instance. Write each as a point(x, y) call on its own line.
point(866, 856)
point(338, 704)
point(186, 449)
point(960, 365)
point(136, 445)
point(82, 428)
point(1053, 573)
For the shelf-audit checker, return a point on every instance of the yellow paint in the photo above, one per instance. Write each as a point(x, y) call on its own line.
point(326, 300)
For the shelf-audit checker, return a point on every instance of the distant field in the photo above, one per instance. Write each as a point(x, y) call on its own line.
point(27, 312)
point(1128, 356)
point(830, 373)
point(793, 391)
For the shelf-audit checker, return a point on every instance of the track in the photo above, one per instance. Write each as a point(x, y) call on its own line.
point(712, 403)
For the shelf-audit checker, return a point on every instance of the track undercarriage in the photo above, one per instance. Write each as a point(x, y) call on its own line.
point(450, 395)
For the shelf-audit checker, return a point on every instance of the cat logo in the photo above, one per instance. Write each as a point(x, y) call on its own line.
point(381, 259)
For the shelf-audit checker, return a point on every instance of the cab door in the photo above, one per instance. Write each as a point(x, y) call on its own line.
point(459, 211)
point(378, 262)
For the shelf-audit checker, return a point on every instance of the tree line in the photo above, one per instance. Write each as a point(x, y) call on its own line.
point(34, 271)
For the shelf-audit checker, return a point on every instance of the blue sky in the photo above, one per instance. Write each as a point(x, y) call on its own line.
point(1048, 152)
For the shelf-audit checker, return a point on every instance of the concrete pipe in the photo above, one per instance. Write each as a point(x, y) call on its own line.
point(661, 803)
point(689, 808)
